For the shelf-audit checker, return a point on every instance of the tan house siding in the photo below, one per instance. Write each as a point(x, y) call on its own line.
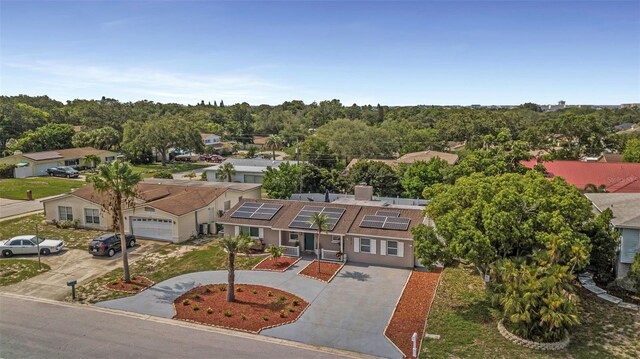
point(78, 205)
point(406, 261)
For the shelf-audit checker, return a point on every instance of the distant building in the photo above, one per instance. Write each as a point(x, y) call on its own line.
point(630, 105)
point(409, 158)
point(209, 139)
point(37, 163)
point(247, 170)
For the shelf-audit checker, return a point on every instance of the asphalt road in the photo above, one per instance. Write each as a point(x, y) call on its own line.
point(33, 329)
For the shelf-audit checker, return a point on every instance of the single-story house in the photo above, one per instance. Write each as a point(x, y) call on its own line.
point(361, 232)
point(409, 158)
point(611, 158)
point(209, 139)
point(37, 163)
point(247, 170)
point(626, 219)
point(169, 210)
point(616, 177)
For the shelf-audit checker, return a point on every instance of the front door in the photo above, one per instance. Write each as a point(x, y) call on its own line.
point(308, 242)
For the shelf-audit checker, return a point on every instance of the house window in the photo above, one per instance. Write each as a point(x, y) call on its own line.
point(293, 237)
point(109, 159)
point(227, 205)
point(365, 245)
point(91, 216)
point(250, 231)
point(392, 248)
point(72, 162)
point(335, 239)
point(65, 213)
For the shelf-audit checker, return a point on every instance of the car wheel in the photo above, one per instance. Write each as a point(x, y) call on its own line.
point(68, 176)
point(111, 252)
point(7, 253)
point(45, 251)
point(50, 174)
point(132, 243)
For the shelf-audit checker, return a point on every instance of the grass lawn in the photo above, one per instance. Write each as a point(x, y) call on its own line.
point(170, 261)
point(16, 188)
point(149, 169)
point(17, 270)
point(462, 317)
point(73, 238)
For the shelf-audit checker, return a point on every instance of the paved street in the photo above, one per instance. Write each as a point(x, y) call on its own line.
point(11, 207)
point(30, 329)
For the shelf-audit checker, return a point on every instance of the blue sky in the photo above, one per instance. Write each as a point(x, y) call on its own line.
point(394, 53)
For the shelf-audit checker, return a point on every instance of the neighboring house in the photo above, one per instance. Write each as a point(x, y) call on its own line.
point(616, 177)
point(210, 139)
point(361, 231)
point(626, 219)
point(259, 141)
point(611, 158)
point(247, 170)
point(169, 210)
point(37, 163)
point(409, 158)
point(625, 126)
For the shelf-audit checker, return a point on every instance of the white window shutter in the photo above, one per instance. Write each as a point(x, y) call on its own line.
point(383, 247)
point(373, 246)
point(237, 230)
point(356, 244)
point(261, 232)
point(400, 249)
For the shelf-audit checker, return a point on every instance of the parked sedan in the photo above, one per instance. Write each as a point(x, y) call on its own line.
point(109, 244)
point(64, 171)
point(29, 245)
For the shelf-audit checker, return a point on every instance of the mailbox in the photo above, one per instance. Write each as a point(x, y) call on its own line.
point(72, 284)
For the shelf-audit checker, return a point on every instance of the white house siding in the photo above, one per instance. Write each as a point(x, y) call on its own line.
point(629, 246)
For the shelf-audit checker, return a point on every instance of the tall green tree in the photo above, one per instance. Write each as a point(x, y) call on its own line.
point(382, 177)
point(282, 181)
point(116, 183)
point(52, 136)
point(632, 150)
point(233, 246)
point(420, 174)
point(273, 143)
point(226, 171)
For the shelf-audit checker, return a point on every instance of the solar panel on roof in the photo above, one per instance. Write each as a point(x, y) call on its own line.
point(384, 222)
point(388, 213)
point(254, 210)
point(305, 215)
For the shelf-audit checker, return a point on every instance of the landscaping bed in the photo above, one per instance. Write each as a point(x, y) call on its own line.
point(16, 270)
point(328, 270)
point(279, 265)
point(138, 284)
point(412, 310)
point(256, 307)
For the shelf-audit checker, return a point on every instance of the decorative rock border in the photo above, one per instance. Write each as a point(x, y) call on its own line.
point(255, 267)
point(318, 279)
point(586, 279)
point(554, 346)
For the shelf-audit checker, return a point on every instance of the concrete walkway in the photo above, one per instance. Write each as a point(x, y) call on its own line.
point(349, 313)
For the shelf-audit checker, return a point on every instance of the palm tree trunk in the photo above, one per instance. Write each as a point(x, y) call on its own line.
point(318, 254)
point(273, 155)
point(231, 278)
point(123, 245)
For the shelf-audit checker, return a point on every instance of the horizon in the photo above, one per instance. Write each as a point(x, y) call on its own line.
point(446, 53)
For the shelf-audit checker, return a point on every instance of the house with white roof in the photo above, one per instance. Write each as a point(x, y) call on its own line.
point(247, 170)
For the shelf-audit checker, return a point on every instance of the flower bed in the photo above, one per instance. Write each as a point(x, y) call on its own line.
point(256, 307)
point(138, 284)
point(328, 270)
point(412, 310)
point(554, 346)
point(280, 265)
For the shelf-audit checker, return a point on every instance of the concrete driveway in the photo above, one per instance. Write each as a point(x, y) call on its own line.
point(350, 313)
point(74, 264)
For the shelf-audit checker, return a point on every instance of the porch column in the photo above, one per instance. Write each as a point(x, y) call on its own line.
point(280, 237)
point(342, 247)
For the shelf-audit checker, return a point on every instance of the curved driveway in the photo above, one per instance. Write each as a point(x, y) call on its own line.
point(349, 313)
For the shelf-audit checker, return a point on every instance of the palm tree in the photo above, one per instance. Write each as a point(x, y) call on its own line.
point(276, 252)
point(116, 182)
point(591, 188)
point(233, 246)
point(93, 159)
point(226, 170)
point(321, 222)
point(273, 143)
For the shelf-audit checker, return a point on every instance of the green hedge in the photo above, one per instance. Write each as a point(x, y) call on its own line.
point(6, 171)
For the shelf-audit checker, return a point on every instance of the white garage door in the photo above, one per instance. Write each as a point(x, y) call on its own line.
point(155, 228)
point(41, 170)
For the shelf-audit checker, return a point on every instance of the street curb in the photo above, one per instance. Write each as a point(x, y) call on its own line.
point(233, 333)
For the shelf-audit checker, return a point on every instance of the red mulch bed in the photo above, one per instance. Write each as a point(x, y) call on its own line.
point(138, 284)
point(281, 265)
point(247, 313)
point(411, 312)
point(327, 270)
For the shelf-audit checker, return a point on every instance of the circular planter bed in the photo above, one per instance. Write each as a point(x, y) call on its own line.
point(280, 265)
point(328, 270)
point(256, 307)
point(553, 346)
point(138, 284)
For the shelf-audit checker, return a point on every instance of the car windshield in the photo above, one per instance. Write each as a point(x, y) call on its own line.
point(65, 168)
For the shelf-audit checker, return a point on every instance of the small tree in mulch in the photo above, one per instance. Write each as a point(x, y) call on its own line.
point(276, 252)
point(233, 246)
point(321, 222)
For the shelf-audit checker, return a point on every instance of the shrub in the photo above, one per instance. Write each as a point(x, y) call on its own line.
point(6, 171)
point(186, 302)
point(291, 310)
point(197, 296)
point(68, 224)
point(135, 287)
point(265, 318)
point(209, 310)
point(244, 317)
point(254, 291)
point(239, 290)
point(227, 313)
point(195, 307)
point(134, 277)
point(295, 303)
point(163, 174)
point(282, 297)
point(282, 314)
point(222, 288)
point(115, 282)
point(634, 272)
point(207, 290)
point(269, 294)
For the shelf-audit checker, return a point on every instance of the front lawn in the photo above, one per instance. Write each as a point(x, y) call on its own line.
point(168, 262)
point(149, 170)
point(73, 238)
point(462, 317)
point(17, 270)
point(16, 188)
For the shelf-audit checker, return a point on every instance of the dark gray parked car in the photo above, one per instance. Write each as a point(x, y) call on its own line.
point(64, 171)
point(109, 244)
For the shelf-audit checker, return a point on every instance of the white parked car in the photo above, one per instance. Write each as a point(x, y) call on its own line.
point(29, 245)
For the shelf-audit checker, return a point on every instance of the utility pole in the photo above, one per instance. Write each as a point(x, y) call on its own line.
point(300, 168)
point(38, 245)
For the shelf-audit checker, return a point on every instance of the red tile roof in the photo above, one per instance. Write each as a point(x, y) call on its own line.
point(616, 177)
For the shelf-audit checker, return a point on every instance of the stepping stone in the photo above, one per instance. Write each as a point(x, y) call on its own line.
point(631, 306)
point(609, 298)
point(588, 282)
point(594, 289)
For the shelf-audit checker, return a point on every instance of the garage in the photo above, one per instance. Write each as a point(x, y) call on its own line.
point(154, 228)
